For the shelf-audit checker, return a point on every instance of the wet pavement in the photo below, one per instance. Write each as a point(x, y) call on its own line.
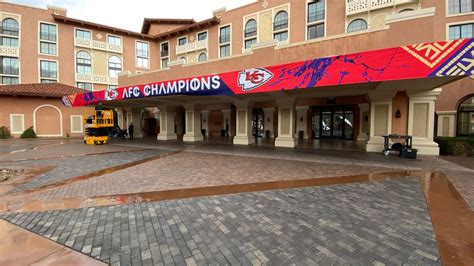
point(149, 202)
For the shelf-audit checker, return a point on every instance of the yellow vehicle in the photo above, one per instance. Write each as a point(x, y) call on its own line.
point(96, 124)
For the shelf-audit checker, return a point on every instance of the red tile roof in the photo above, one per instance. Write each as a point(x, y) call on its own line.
point(39, 90)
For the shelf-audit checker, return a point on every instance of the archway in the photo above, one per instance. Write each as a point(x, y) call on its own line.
point(466, 116)
point(48, 121)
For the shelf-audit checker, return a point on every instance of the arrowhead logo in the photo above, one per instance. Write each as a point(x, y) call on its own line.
point(111, 94)
point(251, 79)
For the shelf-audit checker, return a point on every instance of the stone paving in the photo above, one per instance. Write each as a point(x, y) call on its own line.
point(191, 170)
point(359, 223)
point(70, 167)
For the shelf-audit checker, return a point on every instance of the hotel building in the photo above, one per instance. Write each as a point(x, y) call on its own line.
point(261, 34)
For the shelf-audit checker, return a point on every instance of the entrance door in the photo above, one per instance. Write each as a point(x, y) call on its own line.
point(257, 123)
point(336, 122)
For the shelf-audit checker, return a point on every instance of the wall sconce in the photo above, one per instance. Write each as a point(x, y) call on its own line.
point(398, 114)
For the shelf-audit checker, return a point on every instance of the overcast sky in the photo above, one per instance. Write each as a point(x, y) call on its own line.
point(129, 15)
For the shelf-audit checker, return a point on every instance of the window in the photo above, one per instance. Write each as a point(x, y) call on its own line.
point(10, 32)
point(250, 34)
point(406, 10)
point(83, 63)
point(460, 6)
point(461, 31)
point(114, 40)
point(224, 41)
point(48, 39)
point(115, 66)
point(466, 117)
point(315, 19)
point(142, 54)
point(76, 124)
point(184, 60)
point(202, 36)
point(165, 53)
point(357, 25)
point(48, 71)
point(202, 57)
point(280, 27)
point(9, 70)
point(17, 123)
point(182, 41)
point(84, 85)
point(83, 34)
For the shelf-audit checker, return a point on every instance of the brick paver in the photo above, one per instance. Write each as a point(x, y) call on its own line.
point(360, 223)
point(191, 169)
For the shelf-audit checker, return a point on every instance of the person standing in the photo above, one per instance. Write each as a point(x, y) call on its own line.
point(130, 130)
point(227, 127)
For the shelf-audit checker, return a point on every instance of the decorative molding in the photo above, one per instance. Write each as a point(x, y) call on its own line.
point(415, 14)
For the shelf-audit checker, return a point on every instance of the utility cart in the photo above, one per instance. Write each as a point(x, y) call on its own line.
point(403, 146)
point(97, 124)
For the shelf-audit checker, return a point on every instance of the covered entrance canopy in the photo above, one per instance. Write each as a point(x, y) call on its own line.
point(424, 66)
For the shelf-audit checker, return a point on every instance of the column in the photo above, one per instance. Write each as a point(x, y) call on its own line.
point(363, 122)
point(205, 121)
point(421, 116)
point(380, 119)
point(137, 122)
point(227, 120)
point(193, 124)
point(243, 134)
point(286, 124)
point(167, 124)
point(447, 123)
point(269, 114)
point(302, 121)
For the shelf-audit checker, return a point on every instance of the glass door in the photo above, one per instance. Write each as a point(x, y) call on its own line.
point(257, 123)
point(335, 122)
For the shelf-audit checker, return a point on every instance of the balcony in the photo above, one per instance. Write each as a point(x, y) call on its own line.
point(87, 43)
point(9, 51)
point(191, 47)
point(96, 79)
point(361, 6)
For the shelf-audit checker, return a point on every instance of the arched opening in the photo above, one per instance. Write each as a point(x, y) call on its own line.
point(357, 25)
point(115, 66)
point(466, 117)
point(250, 34)
point(280, 27)
point(48, 121)
point(406, 10)
point(202, 57)
point(10, 31)
point(83, 63)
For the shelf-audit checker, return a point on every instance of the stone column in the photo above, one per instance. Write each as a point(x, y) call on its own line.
point(243, 134)
point(447, 123)
point(227, 118)
point(205, 121)
point(167, 123)
point(269, 114)
point(193, 124)
point(137, 122)
point(364, 114)
point(302, 121)
point(421, 116)
point(286, 124)
point(380, 119)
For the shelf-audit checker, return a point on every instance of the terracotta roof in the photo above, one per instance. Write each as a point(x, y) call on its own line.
point(84, 23)
point(191, 27)
point(170, 21)
point(40, 90)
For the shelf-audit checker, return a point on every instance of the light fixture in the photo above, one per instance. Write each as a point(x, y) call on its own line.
point(398, 114)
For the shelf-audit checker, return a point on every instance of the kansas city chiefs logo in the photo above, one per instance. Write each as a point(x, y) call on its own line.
point(253, 78)
point(111, 94)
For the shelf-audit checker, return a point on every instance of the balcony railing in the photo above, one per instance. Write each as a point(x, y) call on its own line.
point(360, 6)
point(9, 51)
point(87, 43)
point(191, 47)
point(97, 79)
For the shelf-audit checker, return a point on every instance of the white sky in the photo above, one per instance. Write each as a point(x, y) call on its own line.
point(129, 14)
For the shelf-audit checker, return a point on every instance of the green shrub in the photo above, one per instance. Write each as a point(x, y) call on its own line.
point(456, 146)
point(4, 132)
point(29, 133)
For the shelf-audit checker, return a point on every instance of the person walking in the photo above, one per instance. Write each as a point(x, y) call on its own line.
point(130, 131)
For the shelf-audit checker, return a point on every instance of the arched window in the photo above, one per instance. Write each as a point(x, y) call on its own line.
point(115, 66)
point(280, 27)
point(202, 57)
point(250, 34)
point(406, 10)
point(184, 60)
point(466, 117)
point(357, 25)
point(11, 31)
point(83, 63)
